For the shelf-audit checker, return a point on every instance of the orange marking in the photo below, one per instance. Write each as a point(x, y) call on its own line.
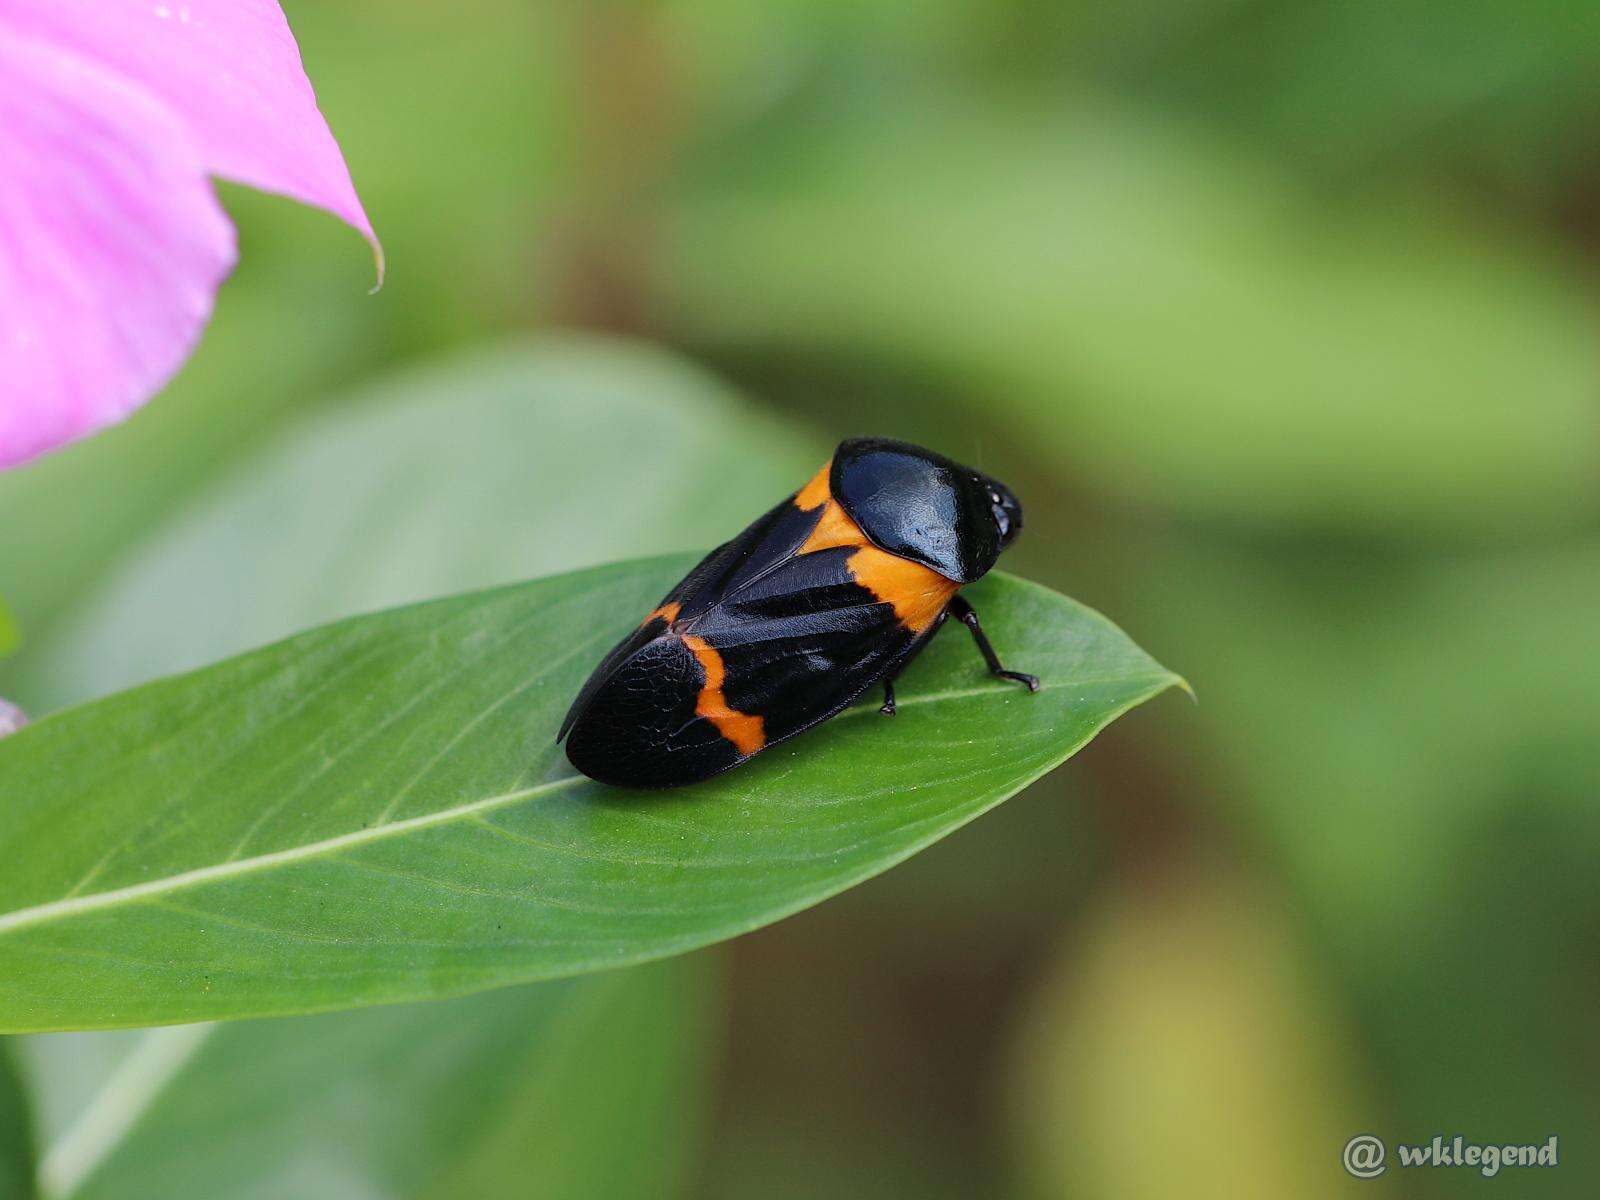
point(834, 528)
point(816, 492)
point(918, 593)
point(667, 612)
point(747, 732)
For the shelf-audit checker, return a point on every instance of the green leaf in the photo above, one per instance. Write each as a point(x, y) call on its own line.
point(16, 1134)
point(8, 632)
point(522, 1091)
point(375, 810)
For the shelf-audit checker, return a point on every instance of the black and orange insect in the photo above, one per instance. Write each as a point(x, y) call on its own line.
point(834, 590)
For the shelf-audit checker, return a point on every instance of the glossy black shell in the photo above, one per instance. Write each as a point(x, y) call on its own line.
point(922, 506)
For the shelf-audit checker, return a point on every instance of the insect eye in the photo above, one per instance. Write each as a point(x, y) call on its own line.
point(994, 496)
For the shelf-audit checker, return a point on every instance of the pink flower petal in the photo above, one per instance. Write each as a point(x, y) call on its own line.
point(112, 245)
point(230, 69)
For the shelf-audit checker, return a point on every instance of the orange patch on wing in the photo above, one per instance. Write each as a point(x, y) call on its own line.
point(746, 731)
point(834, 528)
point(816, 491)
point(667, 612)
point(918, 593)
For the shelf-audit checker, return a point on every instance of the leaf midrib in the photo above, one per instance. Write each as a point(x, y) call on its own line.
point(242, 866)
point(76, 905)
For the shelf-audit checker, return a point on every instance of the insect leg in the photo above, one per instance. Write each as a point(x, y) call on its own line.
point(916, 648)
point(968, 616)
point(888, 708)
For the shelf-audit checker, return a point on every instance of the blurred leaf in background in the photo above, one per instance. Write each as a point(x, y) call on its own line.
point(1422, 770)
point(1175, 324)
point(1495, 93)
point(524, 1091)
point(1482, 89)
point(1182, 1045)
point(16, 1133)
point(502, 465)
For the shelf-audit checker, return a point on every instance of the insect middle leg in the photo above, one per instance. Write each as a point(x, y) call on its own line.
point(888, 706)
point(962, 611)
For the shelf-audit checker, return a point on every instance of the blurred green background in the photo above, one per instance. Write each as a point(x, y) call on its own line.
point(1280, 315)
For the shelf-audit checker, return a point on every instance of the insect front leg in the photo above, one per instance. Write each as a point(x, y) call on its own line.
point(962, 611)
